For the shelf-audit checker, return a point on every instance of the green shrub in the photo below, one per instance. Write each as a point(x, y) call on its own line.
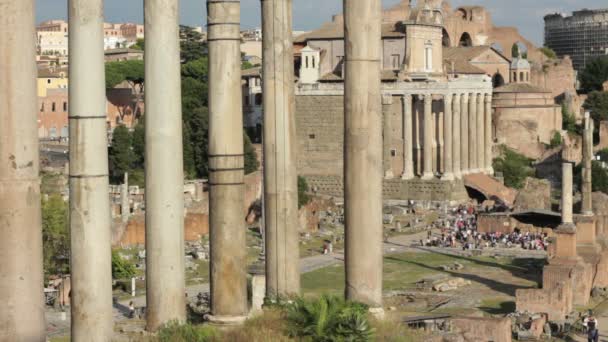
point(303, 197)
point(175, 332)
point(568, 120)
point(514, 167)
point(548, 52)
point(556, 140)
point(121, 268)
point(328, 319)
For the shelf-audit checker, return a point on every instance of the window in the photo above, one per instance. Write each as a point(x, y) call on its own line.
point(306, 62)
point(258, 99)
point(42, 107)
point(521, 76)
point(395, 61)
point(53, 107)
point(393, 152)
point(311, 136)
point(65, 106)
point(515, 76)
point(48, 81)
point(428, 58)
point(313, 62)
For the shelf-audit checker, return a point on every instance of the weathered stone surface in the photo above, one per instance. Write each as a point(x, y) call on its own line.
point(536, 194)
point(483, 329)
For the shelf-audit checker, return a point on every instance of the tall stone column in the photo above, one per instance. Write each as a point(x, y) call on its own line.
point(90, 248)
point(387, 101)
point(464, 135)
point(165, 269)
point(489, 142)
point(472, 134)
point(456, 136)
point(280, 175)
point(448, 171)
point(408, 147)
point(363, 152)
point(481, 138)
point(587, 208)
point(427, 172)
point(125, 210)
point(21, 281)
point(226, 164)
point(567, 202)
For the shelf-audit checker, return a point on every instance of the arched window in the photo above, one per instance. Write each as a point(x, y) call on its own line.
point(258, 99)
point(428, 58)
point(445, 40)
point(465, 40)
point(497, 80)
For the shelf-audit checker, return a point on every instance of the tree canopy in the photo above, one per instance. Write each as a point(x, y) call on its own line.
point(55, 235)
point(594, 75)
point(597, 104)
point(131, 71)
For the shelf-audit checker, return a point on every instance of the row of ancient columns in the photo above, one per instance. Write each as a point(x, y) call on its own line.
point(463, 145)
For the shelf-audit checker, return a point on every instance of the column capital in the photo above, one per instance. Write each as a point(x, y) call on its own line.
point(457, 98)
point(448, 97)
point(465, 98)
point(488, 98)
point(480, 98)
point(428, 97)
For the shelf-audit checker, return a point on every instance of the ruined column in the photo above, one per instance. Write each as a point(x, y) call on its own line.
point(226, 164)
point(428, 137)
point(280, 175)
point(481, 138)
point(90, 248)
point(472, 134)
point(464, 135)
point(21, 280)
point(387, 101)
point(586, 208)
point(363, 153)
point(408, 148)
point(456, 136)
point(165, 269)
point(488, 135)
point(124, 199)
point(567, 202)
point(448, 173)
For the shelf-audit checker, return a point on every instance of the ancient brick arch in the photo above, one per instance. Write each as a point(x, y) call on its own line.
point(465, 39)
point(446, 40)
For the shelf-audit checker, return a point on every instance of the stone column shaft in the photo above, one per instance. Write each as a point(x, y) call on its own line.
point(408, 147)
point(165, 269)
point(91, 270)
point(464, 135)
point(472, 134)
point(280, 175)
point(427, 172)
point(456, 140)
point(21, 280)
point(488, 135)
point(226, 164)
point(363, 152)
point(125, 210)
point(447, 141)
point(387, 101)
point(587, 207)
point(567, 193)
point(481, 138)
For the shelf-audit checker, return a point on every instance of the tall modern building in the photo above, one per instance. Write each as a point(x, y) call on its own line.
point(583, 35)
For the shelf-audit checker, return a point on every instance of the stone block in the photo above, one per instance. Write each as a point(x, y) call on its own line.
point(601, 272)
point(555, 302)
point(585, 229)
point(258, 293)
point(482, 329)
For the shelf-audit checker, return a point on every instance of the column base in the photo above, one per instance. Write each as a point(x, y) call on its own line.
point(427, 176)
point(457, 175)
point(377, 313)
point(447, 177)
point(407, 176)
point(226, 320)
point(388, 174)
point(490, 171)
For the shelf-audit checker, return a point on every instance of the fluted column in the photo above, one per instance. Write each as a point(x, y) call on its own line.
point(472, 134)
point(21, 280)
point(464, 135)
point(488, 135)
point(226, 164)
point(456, 136)
point(363, 152)
point(90, 248)
point(567, 193)
point(387, 101)
point(481, 138)
point(165, 278)
point(586, 187)
point(280, 176)
point(408, 148)
point(448, 171)
point(428, 137)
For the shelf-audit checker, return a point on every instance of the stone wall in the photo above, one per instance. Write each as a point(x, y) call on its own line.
point(558, 77)
point(134, 234)
point(482, 329)
point(555, 302)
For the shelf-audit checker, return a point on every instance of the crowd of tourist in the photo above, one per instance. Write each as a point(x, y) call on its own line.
point(460, 230)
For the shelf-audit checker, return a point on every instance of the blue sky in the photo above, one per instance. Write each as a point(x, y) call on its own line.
point(527, 15)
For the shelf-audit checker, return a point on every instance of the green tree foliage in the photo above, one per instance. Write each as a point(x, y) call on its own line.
point(303, 197)
point(514, 167)
point(55, 235)
point(131, 71)
point(192, 45)
point(139, 45)
point(515, 51)
point(121, 268)
point(548, 52)
point(251, 158)
point(597, 104)
point(594, 75)
point(120, 154)
point(328, 319)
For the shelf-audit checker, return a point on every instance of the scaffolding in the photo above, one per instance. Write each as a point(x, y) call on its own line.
point(583, 36)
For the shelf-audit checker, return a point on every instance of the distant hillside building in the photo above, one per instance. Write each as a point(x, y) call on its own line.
point(583, 36)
